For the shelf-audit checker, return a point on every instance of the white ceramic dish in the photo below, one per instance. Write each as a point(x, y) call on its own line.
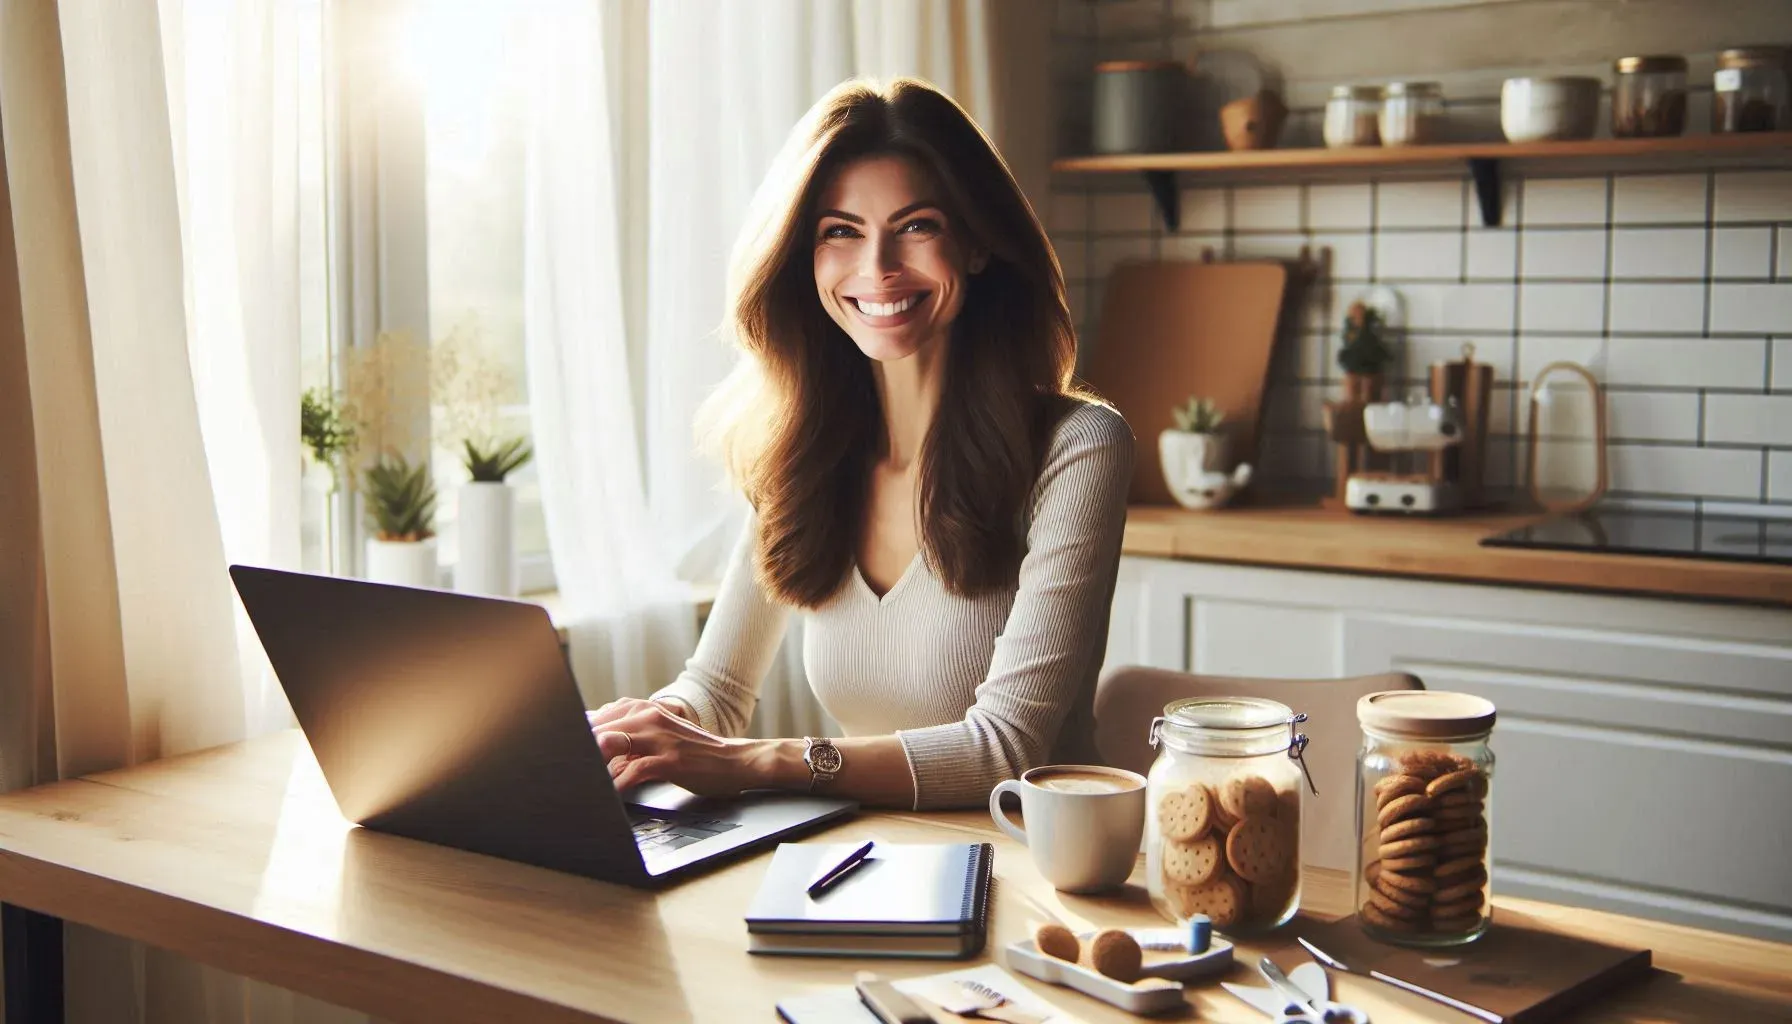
point(1160, 989)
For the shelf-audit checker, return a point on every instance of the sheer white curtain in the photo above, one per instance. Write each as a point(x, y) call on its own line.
point(628, 619)
point(725, 82)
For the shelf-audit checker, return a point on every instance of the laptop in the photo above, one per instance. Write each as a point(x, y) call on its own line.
point(455, 720)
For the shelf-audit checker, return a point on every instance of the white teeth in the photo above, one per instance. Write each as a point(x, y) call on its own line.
point(887, 308)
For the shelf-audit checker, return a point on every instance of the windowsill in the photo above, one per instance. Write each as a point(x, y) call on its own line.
point(703, 597)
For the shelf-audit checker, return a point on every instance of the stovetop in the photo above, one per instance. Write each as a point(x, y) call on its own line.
point(1673, 534)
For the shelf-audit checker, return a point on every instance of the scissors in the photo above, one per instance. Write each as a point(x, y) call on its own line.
point(1300, 999)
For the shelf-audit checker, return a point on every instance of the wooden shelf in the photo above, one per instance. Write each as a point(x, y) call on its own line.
point(1483, 160)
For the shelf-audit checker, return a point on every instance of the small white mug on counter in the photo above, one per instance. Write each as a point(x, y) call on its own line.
point(1084, 823)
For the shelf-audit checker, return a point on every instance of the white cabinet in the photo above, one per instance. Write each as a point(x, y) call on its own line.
point(1645, 746)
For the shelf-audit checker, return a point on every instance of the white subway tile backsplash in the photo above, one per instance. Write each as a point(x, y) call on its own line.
point(1782, 364)
point(1742, 252)
point(1268, 247)
point(1191, 247)
point(1418, 255)
point(1779, 476)
point(1419, 204)
point(1766, 308)
point(1424, 349)
point(1069, 212)
point(1112, 251)
point(1267, 208)
point(1331, 207)
point(1749, 419)
point(1203, 209)
point(1658, 252)
point(1350, 255)
point(1651, 415)
point(1783, 269)
point(1659, 199)
point(1653, 362)
point(1492, 252)
point(1465, 307)
point(1564, 201)
point(1562, 307)
point(1664, 469)
point(1658, 308)
point(1556, 254)
point(1123, 211)
point(1753, 195)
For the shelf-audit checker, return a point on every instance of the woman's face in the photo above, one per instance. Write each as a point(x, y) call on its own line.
point(890, 269)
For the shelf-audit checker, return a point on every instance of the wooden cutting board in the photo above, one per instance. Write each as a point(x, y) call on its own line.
point(1174, 329)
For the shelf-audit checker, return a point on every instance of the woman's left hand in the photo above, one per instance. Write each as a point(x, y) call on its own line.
point(647, 742)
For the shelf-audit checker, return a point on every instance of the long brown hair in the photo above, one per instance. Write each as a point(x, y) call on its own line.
point(800, 424)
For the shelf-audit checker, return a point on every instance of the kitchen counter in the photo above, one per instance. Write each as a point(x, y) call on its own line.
point(1445, 548)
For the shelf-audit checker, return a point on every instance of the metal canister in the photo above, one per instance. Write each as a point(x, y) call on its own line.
point(1137, 105)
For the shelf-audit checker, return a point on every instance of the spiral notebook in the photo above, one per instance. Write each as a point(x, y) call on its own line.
point(906, 900)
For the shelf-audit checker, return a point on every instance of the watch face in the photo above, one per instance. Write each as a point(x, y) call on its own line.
point(825, 758)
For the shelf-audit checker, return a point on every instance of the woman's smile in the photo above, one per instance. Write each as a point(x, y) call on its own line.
point(887, 311)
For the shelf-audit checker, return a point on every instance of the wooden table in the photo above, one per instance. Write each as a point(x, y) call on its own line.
point(237, 857)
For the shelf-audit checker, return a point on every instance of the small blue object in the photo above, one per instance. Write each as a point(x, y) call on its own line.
point(1200, 933)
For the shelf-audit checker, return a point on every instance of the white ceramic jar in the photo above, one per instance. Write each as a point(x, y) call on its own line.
point(1541, 109)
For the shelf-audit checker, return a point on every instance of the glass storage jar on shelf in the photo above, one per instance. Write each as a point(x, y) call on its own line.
point(1222, 828)
point(1411, 113)
point(1352, 116)
point(1749, 90)
point(1649, 97)
point(1423, 829)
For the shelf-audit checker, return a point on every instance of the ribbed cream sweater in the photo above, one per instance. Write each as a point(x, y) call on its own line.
point(978, 689)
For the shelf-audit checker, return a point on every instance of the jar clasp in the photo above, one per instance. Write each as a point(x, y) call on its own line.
point(1157, 728)
point(1297, 745)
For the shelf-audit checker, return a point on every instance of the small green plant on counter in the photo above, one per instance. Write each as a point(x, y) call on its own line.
point(1199, 416)
point(401, 500)
point(324, 429)
point(1365, 349)
point(492, 465)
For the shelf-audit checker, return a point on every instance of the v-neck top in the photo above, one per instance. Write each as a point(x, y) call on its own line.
point(978, 689)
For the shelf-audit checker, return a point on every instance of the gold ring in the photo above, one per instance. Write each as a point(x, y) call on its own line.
point(628, 744)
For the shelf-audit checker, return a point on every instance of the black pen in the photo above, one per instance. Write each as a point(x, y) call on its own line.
point(839, 871)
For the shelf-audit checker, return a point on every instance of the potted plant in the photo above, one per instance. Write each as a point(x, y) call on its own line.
point(1365, 354)
point(1194, 456)
point(401, 510)
point(326, 435)
point(487, 563)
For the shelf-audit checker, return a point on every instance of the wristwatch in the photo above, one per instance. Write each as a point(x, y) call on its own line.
point(823, 759)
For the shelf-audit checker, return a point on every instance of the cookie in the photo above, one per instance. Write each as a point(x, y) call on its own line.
point(1457, 780)
point(1222, 899)
point(1248, 796)
point(1474, 838)
point(1393, 909)
point(1469, 886)
point(1416, 900)
point(1058, 941)
point(1116, 954)
point(1460, 813)
point(1406, 828)
point(1268, 901)
point(1223, 820)
point(1468, 907)
point(1192, 863)
point(1288, 805)
point(1460, 798)
point(1408, 847)
point(1407, 806)
point(1372, 871)
point(1184, 814)
point(1374, 915)
point(1452, 867)
point(1459, 923)
point(1394, 787)
point(1418, 862)
point(1259, 849)
point(1407, 883)
point(1430, 764)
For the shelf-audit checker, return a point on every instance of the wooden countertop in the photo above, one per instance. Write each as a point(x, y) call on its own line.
point(1445, 548)
point(237, 856)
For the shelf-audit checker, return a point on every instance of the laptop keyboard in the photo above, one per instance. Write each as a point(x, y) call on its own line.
point(658, 837)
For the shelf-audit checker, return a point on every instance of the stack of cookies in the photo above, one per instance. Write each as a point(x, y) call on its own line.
point(1427, 843)
point(1230, 851)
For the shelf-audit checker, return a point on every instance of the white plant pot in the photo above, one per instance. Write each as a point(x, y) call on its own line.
point(486, 524)
point(407, 563)
point(1195, 469)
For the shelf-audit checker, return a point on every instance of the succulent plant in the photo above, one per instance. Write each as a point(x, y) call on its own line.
point(492, 465)
point(1199, 416)
point(401, 500)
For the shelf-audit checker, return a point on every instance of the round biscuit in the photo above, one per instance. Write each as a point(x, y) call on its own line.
point(1268, 901)
point(1373, 914)
point(1248, 796)
point(1459, 813)
point(1259, 849)
point(1192, 863)
point(1472, 838)
point(1408, 883)
point(1116, 954)
point(1288, 805)
point(1460, 890)
point(1459, 908)
point(1458, 799)
point(1055, 940)
point(1457, 922)
point(1393, 787)
point(1371, 871)
point(1416, 900)
point(1409, 865)
point(1184, 814)
point(1409, 806)
point(1406, 828)
point(1393, 909)
point(1220, 899)
point(1463, 779)
point(1453, 866)
point(1408, 847)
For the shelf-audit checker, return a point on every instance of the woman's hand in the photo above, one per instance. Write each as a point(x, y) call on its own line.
point(647, 741)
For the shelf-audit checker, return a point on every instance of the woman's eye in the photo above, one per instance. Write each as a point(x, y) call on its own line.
point(838, 231)
point(922, 226)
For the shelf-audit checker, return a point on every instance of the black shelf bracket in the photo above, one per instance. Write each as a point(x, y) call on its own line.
point(1486, 172)
point(1169, 205)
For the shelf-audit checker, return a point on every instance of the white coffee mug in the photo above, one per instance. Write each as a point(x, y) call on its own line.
point(1083, 823)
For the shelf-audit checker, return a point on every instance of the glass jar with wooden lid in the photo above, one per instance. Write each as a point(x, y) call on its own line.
point(1649, 97)
point(1749, 90)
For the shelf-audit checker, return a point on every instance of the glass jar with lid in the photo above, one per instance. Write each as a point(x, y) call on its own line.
point(1649, 97)
point(1423, 829)
point(1749, 90)
point(1352, 115)
point(1223, 799)
point(1410, 113)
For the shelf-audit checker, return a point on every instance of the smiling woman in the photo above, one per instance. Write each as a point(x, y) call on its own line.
point(929, 488)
